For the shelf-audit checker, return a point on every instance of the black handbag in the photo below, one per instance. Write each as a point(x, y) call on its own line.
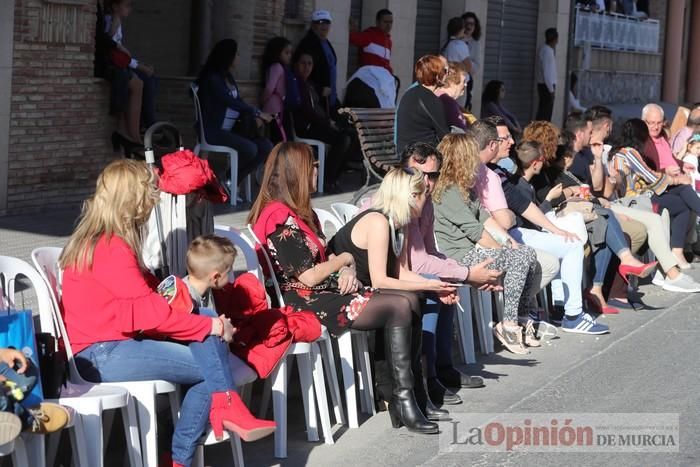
point(53, 365)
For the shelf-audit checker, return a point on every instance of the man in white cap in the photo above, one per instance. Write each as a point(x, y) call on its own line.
point(325, 69)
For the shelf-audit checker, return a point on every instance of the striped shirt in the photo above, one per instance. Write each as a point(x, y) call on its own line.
point(638, 176)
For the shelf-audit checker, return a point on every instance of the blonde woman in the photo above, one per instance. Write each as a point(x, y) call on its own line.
point(467, 233)
point(375, 239)
point(121, 329)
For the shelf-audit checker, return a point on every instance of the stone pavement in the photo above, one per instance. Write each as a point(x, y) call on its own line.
point(647, 364)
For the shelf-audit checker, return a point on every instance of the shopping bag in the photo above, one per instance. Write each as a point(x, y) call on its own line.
point(17, 331)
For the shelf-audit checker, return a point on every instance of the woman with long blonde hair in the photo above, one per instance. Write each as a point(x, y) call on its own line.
point(375, 238)
point(467, 233)
point(327, 283)
point(121, 329)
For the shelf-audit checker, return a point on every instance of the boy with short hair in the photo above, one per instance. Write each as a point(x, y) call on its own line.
point(209, 261)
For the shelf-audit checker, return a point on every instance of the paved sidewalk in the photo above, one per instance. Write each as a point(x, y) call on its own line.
point(647, 364)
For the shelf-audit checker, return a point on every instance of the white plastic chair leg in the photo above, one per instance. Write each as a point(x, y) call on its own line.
point(131, 430)
point(359, 376)
point(321, 166)
point(326, 347)
point(174, 399)
point(19, 454)
point(249, 188)
point(78, 444)
point(92, 427)
point(233, 158)
point(367, 391)
point(486, 319)
point(466, 330)
point(148, 426)
point(348, 367)
point(279, 407)
point(266, 395)
point(35, 449)
point(237, 450)
point(320, 386)
point(304, 361)
point(52, 441)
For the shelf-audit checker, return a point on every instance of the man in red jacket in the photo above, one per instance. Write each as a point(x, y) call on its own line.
point(374, 42)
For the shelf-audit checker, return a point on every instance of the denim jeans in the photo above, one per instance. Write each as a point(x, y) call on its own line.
point(203, 365)
point(615, 244)
point(438, 325)
point(571, 256)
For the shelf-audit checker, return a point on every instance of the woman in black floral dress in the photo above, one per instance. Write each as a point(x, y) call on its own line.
point(283, 220)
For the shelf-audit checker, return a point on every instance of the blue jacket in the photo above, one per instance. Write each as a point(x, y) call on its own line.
point(215, 97)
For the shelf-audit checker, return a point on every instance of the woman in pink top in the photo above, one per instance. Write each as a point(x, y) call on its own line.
point(275, 68)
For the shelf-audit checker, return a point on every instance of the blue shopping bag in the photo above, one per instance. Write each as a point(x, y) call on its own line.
point(17, 331)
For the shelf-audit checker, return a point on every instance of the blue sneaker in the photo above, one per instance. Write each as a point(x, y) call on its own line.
point(583, 324)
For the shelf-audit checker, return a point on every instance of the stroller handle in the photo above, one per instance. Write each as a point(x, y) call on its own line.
point(148, 139)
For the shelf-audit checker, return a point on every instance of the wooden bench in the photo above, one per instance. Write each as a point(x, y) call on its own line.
point(375, 130)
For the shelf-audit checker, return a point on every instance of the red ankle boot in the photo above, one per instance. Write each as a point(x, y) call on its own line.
point(228, 411)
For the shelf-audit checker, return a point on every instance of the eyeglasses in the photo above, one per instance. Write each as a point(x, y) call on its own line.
point(432, 176)
point(322, 21)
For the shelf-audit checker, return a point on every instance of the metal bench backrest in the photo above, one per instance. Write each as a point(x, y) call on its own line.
point(375, 129)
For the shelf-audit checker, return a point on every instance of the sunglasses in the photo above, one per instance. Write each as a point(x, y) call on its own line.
point(432, 176)
point(322, 21)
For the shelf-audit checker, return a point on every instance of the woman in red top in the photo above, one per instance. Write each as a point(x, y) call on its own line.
point(122, 330)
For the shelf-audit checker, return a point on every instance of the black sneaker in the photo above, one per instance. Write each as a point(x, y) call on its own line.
point(440, 394)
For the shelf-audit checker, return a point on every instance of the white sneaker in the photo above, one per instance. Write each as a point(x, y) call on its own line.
point(682, 283)
point(658, 279)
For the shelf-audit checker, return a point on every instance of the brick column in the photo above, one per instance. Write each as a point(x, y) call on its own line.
point(692, 93)
point(339, 36)
point(672, 51)
point(7, 11)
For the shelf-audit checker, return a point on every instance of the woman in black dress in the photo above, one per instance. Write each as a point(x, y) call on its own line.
point(325, 283)
point(375, 239)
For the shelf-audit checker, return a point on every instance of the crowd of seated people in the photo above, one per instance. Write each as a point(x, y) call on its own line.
point(566, 207)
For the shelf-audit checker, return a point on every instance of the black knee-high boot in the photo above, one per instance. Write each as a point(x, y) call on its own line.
point(422, 398)
point(403, 408)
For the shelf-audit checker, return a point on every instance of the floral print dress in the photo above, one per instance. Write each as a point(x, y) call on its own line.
point(292, 252)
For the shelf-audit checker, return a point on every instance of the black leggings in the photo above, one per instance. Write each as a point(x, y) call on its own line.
point(679, 200)
point(389, 309)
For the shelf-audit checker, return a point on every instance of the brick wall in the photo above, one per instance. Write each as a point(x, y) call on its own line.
point(59, 127)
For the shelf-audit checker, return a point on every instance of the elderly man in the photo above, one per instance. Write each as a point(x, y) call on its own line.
point(315, 43)
point(680, 139)
point(658, 151)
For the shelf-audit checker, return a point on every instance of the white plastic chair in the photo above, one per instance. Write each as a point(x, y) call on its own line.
point(320, 150)
point(311, 377)
point(327, 217)
point(87, 400)
point(202, 145)
point(345, 349)
point(344, 211)
point(143, 393)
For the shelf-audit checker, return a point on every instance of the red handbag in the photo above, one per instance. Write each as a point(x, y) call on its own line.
point(119, 58)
